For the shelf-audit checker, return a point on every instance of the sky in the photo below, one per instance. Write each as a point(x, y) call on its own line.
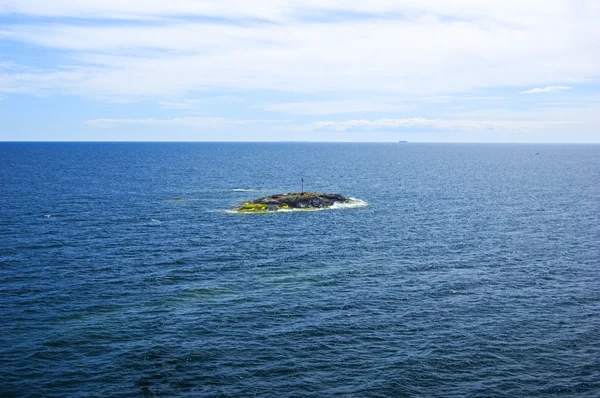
point(277, 70)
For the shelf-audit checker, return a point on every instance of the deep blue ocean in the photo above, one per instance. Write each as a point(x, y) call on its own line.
point(474, 271)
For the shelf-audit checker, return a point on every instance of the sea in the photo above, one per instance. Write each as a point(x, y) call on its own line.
point(470, 270)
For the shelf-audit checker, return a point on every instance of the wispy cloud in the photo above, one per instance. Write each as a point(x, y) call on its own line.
point(332, 107)
point(417, 122)
point(368, 105)
point(204, 122)
point(7, 66)
point(185, 104)
point(206, 50)
point(505, 11)
point(547, 89)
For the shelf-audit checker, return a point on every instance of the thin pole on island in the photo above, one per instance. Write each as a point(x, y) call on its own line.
point(302, 186)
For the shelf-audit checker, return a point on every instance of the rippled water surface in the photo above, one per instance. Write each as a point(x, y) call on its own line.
point(473, 271)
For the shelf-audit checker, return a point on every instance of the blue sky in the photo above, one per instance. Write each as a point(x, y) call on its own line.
point(232, 70)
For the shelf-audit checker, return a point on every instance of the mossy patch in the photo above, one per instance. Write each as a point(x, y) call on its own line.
point(253, 208)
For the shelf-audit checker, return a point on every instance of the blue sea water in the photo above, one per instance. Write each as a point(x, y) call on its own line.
point(474, 271)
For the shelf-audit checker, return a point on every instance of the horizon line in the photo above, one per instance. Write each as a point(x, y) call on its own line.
point(291, 142)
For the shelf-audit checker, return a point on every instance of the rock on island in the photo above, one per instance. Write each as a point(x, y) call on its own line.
point(295, 200)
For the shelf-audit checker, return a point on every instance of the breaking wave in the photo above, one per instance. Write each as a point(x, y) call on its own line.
point(353, 203)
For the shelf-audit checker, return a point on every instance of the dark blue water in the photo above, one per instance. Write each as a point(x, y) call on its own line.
point(474, 271)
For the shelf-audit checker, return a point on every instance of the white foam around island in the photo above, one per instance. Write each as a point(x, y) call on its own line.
point(353, 203)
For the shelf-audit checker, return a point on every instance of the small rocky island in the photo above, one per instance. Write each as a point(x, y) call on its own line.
point(295, 200)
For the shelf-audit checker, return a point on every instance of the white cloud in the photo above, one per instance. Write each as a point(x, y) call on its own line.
point(203, 122)
point(548, 89)
point(140, 9)
point(187, 104)
point(436, 48)
point(331, 107)
point(417, 122)
point(7, 65)
point(506, 11)
point(194, 104)
point(368, 104)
